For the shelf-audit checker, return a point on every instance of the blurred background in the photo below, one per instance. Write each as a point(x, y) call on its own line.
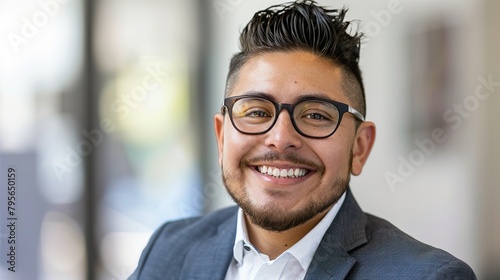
point(106, 115)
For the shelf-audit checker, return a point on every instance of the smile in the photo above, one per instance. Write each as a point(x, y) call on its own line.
point(282, 173)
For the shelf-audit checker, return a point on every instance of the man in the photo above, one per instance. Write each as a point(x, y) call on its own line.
point(290, 134)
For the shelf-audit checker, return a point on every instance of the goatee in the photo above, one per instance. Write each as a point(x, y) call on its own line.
point(276, 217)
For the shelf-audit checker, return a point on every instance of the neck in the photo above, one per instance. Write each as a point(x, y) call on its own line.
point(274, 243)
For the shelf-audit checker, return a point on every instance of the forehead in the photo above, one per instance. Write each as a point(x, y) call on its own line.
point(287, 76)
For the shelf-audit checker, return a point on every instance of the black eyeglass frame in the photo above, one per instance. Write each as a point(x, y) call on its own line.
point(341, 107)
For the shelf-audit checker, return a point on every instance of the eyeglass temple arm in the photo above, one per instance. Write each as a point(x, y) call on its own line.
point(357, 114)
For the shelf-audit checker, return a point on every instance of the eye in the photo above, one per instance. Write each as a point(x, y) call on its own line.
point(257, 114)
point(316, 116)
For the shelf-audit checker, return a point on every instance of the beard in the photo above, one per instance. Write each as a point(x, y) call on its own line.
point(278, 218)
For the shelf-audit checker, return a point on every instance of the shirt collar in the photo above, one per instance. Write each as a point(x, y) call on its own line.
point(303, 250)
point(241, 237)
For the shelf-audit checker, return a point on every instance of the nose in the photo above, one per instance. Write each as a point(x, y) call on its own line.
point(283, 135)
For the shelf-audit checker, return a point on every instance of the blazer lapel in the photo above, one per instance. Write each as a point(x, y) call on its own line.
point(347, 231)
point(209, 258)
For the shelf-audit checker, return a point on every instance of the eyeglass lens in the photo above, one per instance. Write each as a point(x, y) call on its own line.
point(312, 117)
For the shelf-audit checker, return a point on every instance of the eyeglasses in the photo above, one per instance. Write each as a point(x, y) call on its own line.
point(311, 117)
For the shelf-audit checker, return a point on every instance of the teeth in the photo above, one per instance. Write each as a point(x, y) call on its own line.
point(276, 172)
point(282, 173)
point(263, 170)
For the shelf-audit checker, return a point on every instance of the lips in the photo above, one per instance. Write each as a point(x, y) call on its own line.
point(282, 172)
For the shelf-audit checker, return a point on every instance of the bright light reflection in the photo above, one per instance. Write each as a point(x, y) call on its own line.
point(61, 168)
point(120, 251)
point(62, 248)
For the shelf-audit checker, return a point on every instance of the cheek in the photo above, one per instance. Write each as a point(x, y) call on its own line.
point(336, 158)
point(334, 161)
point(236, 146)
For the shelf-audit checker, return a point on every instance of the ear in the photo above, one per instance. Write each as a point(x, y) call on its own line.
point(363, 143)
point(219, 133)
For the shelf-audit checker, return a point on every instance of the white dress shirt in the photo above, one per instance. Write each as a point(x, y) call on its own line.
point(248, 263)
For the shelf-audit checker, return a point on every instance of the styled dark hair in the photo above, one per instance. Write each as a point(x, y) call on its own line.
point(303, 25)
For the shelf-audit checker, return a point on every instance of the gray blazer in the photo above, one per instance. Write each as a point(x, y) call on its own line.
point(356, 246)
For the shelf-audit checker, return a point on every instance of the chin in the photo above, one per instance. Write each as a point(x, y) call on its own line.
point(280, 209)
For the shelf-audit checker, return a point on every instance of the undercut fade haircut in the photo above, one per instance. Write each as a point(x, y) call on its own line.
point(304, 26)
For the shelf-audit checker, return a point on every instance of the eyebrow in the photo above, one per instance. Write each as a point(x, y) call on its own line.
point(302, 97)
point(315, 95)
point(260, 94)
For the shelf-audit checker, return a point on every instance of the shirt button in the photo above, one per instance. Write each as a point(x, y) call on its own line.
point(246, 247)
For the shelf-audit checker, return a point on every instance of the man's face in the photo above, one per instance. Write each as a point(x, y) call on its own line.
point(279, 203)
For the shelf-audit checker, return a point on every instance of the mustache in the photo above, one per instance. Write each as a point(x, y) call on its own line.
point(291, 157)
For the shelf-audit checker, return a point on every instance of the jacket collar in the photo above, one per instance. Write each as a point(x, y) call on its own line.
point(332, 260)
point(212, 256)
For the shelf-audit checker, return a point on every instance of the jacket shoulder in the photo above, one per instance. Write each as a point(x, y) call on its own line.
point(390, 251)
point(171, 242)
point(196, 226)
